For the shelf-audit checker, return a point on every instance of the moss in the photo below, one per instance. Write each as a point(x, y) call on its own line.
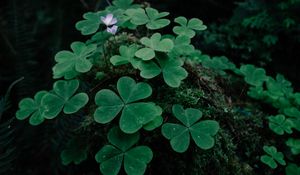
point(235, 151)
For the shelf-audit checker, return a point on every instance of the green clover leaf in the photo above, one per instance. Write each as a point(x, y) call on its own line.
point(120, 151)
point(279, 124)
point(151, 17)
point(219, 64)
point(32, 108)
point(63, 98)
point(202, 132)
point(90, 24)
point(171, 68)
point(155, 43)
point(155, 123)
point(253, 76)
point(292, 112)
point(297, 98)
point(272, 157)
point(294, 144)
point(188, 28)
point(134, 114)
point(182, 46)
point(69, 64)
point(292, 169)
point(127, 55)
point(279, 87)
point(75, 152)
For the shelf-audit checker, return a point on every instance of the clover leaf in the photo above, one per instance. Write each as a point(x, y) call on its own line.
point(154, 43)
point(253, 76)
point(134, 114)
point(90, 24)
point(292, 112)
point(219, 64)
point(63, 98)
point(155, 123)
point(182, 47)
point(188, 28)
point(32, 108)
point(292, 169)
point(272, 157)
point(127, 55)
point(297, 98)
point(151, 17)
point(279, 124)
point(120, 151)
point(171, 68)
point(75, 152)
point(279, 87)
point(294, 144)
point(69, 64)
point(202, 132)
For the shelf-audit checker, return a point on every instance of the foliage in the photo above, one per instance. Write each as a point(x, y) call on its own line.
point(112, 156)
point(134, 114)
point(273, 157)
point(202, 132)
point(134, 72)
point(187, 28)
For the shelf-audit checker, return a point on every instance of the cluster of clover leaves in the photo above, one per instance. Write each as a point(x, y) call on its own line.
point(277, 92)
point(151, 55)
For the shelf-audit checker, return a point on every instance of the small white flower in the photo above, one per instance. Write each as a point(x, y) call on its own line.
point(112, 30)
point(109, 20)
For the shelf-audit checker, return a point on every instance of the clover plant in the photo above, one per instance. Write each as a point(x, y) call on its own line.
point(279, 124)
point(202, 132)
point(123, 66)
point(294, 144)
point(134, 114)
point(272, 157)
point(120, 151)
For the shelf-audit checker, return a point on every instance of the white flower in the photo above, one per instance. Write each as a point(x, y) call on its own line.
point(112, 30)
point(109, 20)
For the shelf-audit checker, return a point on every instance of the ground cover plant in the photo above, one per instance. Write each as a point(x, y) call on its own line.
point(146, 101)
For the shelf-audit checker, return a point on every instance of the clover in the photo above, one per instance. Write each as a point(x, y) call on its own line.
point(70, 64)
point(188, 28)
point(182, 47)
point(279, 124)
point(219, 64)
point(154, 43)
point(253, 76)
point(171, 68)
point(296, 97)
point(292, 112)
point(121, 151)
point(294, 144)
point(134, 114)
point(127, 55)
point(278, 87)
point(202, 132)
point(292, 169)
point(62, 98)
point(272, 157)
point(149, 16)
point(32, 108)
point(90, 24)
